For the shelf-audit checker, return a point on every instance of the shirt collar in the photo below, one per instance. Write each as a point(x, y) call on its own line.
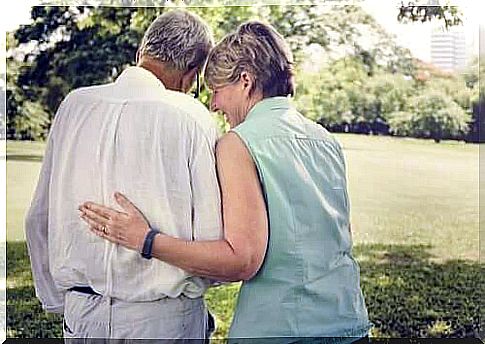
point(267, 104)
point(139, 76)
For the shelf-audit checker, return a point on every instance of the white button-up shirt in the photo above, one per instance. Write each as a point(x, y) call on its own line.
point(154, 145)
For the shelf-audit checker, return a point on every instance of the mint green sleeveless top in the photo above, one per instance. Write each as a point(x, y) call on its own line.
point(309, 284)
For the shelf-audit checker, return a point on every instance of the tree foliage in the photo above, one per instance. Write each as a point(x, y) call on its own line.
point(477, 126)
point(431, 115)
point(449, 15)
point(345, 97)
point(80, 46)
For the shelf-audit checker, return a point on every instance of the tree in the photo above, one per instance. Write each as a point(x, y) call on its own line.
point(455, 88)
point(77, 46)
point(391, 93)
point(386, 93)
point(331, 97)
point(477, 126)
point(26, 119)
point(431, 115)
point(449, 15)
point(80, 46)
point(33, 122)
point(471, 72)
point(344, 97)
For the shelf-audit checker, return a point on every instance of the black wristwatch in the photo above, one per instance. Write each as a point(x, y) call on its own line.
point(146, 251)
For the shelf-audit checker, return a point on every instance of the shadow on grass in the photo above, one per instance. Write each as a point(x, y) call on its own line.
point(410, 295)
point(407, 295)
point(24, 157)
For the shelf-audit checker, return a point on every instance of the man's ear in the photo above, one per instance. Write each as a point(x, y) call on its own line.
point(188, 79)
point(137, 56)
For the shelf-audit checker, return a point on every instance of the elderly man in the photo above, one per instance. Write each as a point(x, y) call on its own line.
point(143, 135)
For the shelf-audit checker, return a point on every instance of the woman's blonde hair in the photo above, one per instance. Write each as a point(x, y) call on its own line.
point(258, 49)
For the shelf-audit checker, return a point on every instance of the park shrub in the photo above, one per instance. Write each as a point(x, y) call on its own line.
point(391, 93)
point(32, 124)
point(455, 88)
point(400, 123)
point(343, 97)
point(431, 115)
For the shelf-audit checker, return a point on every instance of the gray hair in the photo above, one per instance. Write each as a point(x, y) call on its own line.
point(258, 49)
point(178, 37)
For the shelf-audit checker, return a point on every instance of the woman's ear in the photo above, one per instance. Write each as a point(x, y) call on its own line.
point(247, 81)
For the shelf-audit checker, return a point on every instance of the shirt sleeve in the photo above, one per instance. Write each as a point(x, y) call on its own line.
point(36, 230)
point(206, 197)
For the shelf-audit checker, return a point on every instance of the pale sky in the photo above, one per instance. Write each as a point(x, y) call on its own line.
point(416, 37)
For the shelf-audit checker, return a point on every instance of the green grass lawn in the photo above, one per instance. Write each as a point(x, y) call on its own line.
point(415, 227)
point(408, 191)
point(23, 166)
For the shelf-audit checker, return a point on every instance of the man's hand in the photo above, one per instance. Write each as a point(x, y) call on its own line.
point(127, 228)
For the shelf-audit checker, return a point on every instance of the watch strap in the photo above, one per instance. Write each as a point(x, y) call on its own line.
point(146, 251)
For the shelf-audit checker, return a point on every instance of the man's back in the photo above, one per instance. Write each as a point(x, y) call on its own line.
point(155, 146)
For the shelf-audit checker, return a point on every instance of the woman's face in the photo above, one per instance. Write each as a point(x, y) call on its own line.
point(231, 99)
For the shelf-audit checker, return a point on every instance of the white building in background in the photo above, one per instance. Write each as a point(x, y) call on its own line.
point(449, 49)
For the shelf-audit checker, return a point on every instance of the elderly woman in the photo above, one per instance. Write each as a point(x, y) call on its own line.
point(285, 204)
